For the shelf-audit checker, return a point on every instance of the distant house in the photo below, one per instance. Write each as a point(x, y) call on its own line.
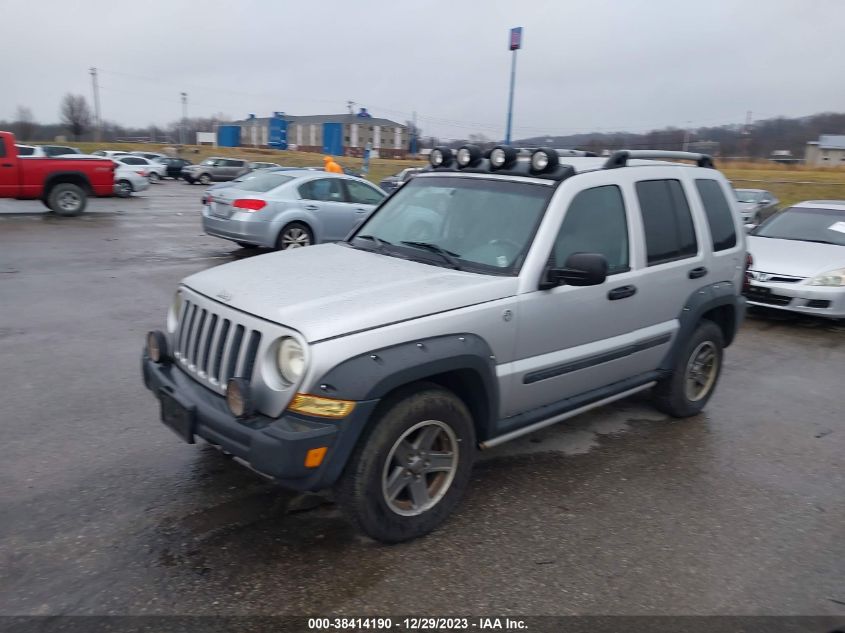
point(337, 134)
point(828, 151)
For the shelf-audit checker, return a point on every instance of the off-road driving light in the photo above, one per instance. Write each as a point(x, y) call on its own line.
point(157, 346)
point(502, 157)
point(238, 398)
point(321, 407)
point(440, 157)
point(469, 155)
point(290, 359)
point(543, 160)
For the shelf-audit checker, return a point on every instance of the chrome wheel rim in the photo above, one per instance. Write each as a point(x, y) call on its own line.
point(69, 201)
point(154, 177)
point(420, 468)
point(702, 369)
point(295, 238)
point(125, 189)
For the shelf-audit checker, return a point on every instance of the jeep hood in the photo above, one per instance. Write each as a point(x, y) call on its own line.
point(795, 258)
point(330, 290)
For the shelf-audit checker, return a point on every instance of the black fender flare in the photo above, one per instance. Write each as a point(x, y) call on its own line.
point(699, 303)
point(73, 177)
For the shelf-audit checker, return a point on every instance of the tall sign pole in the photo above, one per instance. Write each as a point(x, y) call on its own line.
point(183, 129)
point(98, 121)
point(515, 45)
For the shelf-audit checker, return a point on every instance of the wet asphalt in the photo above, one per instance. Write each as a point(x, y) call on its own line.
point(622, 511)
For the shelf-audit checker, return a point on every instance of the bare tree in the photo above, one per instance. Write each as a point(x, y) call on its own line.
point(24, 123)
point(76, 115)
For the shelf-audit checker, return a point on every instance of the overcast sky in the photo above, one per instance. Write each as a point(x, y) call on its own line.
point(587, 65)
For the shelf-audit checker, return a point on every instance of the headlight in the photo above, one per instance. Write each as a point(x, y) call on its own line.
point(830, 278)
point(174, 312)
point(290, 359)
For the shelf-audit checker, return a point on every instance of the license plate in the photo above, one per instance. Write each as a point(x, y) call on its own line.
point(180, 419)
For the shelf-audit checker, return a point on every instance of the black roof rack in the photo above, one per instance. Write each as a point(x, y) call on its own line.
point(620, 158)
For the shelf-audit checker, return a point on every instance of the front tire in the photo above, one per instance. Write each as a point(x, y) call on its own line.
point(411, 468)
point(67, 199)
point(687, 389)
point(124, 189)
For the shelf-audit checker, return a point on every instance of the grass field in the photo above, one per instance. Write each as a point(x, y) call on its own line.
point(379, 167)
point(789, 183)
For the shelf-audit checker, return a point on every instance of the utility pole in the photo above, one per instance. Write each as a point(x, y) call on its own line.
point(687, 134)
point(98, 121)
point(515, 45)
point(414, 138)
point(184, 127)
point(746, 136)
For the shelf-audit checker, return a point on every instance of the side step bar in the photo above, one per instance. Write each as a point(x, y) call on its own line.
point(507, 437)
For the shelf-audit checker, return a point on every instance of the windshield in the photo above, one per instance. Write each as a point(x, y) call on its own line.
point(263, 182)
point(209, 161)
point(748, 195)
point(806, 224)
point(481, 224)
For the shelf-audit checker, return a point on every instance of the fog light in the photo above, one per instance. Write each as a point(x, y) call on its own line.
point(157, 346)
point(468, 156)
point(238, 397)
point(543, 160)
point(321, 407)
point(502, 157)
point(440, 157)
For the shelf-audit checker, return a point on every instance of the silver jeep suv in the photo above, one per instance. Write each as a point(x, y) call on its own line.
point(489, 297)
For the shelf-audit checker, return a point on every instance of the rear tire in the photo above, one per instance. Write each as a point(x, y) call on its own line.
point(154, 177)
point(411, 467)
point(67, 199)
point(205, 179)
point(687, 389)
point(294, 235)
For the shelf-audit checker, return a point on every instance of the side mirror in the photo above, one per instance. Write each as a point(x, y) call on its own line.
point(580, 269)
point(749, 227)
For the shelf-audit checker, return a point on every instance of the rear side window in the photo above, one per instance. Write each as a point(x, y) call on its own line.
point(22, 151)
point(595, 223)
point(133, 160)
point(325, 189)
point(232, 163)
point(669, 231)
point(719, 214)
point(264, 182)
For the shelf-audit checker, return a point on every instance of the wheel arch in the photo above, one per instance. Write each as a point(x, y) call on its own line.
point(67, 177)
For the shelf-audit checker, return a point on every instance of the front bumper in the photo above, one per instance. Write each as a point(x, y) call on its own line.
point(798, 297)
point(239, 230)
point(275, 447)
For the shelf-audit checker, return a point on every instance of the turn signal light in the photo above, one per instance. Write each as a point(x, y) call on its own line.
point(249, 204)
point(321, 407)
point(314, 457)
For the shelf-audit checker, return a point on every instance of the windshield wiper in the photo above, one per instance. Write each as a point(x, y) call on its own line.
point(380, 243)
point(448, 256)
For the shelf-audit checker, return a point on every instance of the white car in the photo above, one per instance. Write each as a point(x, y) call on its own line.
point(129, 179)
point(155, 170)
point(799, 260)
point(109, 153)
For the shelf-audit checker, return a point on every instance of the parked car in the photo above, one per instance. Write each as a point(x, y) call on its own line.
point(799, 260)
point(379, 365)
point(129, 179)
point(290, 208)
point(156, 170)
point(110, 153)
point(151, 155)
point(391, 183)
point(59, 150)
point(30, 151)
point(755, 205)
point(260, 165)
point(215, 169)
point(175, 166)
point(62, 184)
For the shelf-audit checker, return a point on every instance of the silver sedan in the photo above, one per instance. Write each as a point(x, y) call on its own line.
point(755, 205)
point(289, 209)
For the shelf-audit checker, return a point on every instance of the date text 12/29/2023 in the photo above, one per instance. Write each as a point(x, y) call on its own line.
point(416, 624)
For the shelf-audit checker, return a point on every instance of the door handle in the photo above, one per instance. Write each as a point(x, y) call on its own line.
point(360, 211)
point(8, 165)
point(311, 207)
point(695, 273)
point(622, 292)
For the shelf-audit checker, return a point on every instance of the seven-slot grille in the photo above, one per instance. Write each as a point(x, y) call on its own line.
point(212, 348)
